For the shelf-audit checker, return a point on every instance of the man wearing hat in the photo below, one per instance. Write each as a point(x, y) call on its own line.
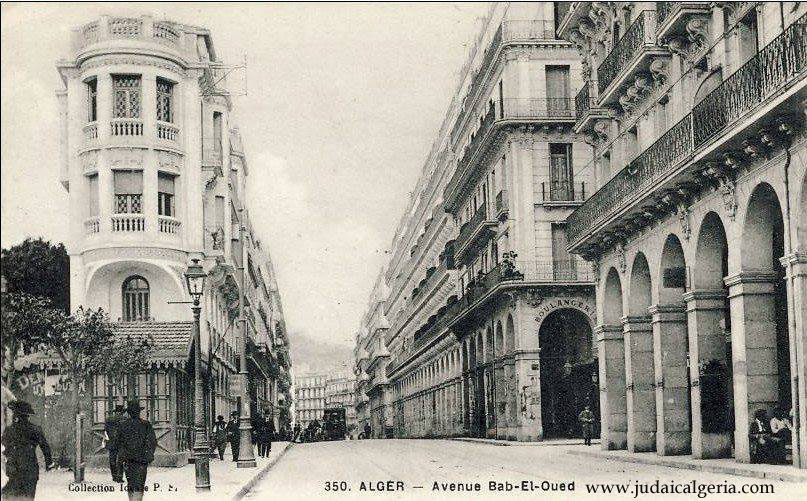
point(111, 429)
point(135, 444)
point(233, 434)
point(20, 440)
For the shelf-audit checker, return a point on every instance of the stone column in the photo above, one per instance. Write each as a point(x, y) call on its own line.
point(613, 398)
point(670, 351)
point(528, 377)
point(500, 387)
point(511, 396)
point(707, 342)
point(639, 387)
point(753, 351)
point(796, 275)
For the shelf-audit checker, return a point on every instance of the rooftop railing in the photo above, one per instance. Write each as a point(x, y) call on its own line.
point(763, 76)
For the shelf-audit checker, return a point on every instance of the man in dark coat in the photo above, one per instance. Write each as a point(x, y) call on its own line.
point(586, 419)
point(265, 436)
point(111, 429)
point(20, 440)
point(233, 434)
point(297, 430)
point(220, 435)
point(135, 445)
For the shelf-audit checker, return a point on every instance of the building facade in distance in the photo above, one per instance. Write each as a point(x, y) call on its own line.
point(697, 228)
point(489, 317)
point(309, 398)
point(156, 176)
point(340, 392)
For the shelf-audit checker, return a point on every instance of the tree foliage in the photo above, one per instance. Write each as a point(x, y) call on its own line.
point(39, 268)
point(27, 321)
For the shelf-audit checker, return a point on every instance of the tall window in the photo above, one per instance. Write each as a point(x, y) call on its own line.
point(165, 195)
point(563, 264)
point(128, 191)
point(557, 88)
point(165, 101)
point(126, 92)
point(92, 100)
point(92, 187)
point(135, 299)
point(560, 172)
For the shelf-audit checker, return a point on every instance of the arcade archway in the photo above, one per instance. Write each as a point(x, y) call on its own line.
point(568, 372)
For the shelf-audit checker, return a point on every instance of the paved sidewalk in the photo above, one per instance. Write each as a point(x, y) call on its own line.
point(726, 466)
point(552, 441)
point(226, 480)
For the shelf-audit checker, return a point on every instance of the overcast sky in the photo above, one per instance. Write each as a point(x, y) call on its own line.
point(343, 102)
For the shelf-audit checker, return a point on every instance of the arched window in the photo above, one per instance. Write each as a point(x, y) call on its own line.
point(135, 299)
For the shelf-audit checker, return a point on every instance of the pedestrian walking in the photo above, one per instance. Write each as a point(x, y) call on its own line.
point(233, 434)
point(135, 445)
point(586, 419)
point(265, 437)
point(220, 435)
point(367, 430)
point(111, 429)
point(20, 440)
point(297, 430)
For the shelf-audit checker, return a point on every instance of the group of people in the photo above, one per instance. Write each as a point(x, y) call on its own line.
point(263, 432)
point(770, 437)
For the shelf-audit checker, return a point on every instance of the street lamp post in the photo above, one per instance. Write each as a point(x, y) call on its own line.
point(195, 277)
point(246, 456)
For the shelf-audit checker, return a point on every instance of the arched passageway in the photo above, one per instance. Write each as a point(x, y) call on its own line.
point(568, 370)
point(760, 342)
point(709, 326)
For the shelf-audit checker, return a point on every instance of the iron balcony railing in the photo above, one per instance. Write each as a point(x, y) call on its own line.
point(550, 107)
point(507, 32)
point(564, 191)
point(665, 10)
point(776, 65)
point(470, 226)
point(639, 34)
point(582, 103)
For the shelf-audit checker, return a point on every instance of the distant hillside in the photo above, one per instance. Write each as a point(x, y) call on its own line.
point(318, 355)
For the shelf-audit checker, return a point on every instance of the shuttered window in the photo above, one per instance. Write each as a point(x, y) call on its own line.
point(165, 194)
point(92, 187)
point(128, 191)
point(560, 172)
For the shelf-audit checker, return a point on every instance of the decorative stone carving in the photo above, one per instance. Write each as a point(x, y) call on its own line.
point(126, 158)
point(89, 160)
point(534, 298)
point(683, 219)
point(602, 128)
point(698, 31)
point(169, 160)
point(619, 252)
point(691, 46)
point(595, 271)
point(660, 69)
point(727, 193)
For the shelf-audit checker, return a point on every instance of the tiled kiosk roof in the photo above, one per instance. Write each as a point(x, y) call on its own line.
point(172, 340)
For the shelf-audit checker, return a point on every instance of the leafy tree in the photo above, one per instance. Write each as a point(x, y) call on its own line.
point(39, 268)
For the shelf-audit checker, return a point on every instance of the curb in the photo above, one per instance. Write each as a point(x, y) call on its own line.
point(514, 443)
point(711, 468)
point(259, 476)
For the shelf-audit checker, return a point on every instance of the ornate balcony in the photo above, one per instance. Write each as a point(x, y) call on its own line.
point(773, 76)
point(673, 17)
point(126, 127)
point(128, 223)
point(92, 225)
point(512, 274)
point(167, 131)
point(168, 225)
point(563, 194)
point(513, 112)
point(586, 107)
point(142, 28)
point(91, 132)
point(630, 56)
point(475, 230)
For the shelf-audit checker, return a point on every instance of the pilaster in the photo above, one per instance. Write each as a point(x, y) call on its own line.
point(639, 383)
point(753, 347)
point(706, 310)
point(795, 265)
point(670, 350)
point(613, 397)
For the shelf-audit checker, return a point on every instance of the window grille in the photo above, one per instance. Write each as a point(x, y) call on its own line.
point(127, 96)
point(135, 299)
point(165, 90)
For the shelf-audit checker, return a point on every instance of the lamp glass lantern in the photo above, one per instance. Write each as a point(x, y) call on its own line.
point(195, 277)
